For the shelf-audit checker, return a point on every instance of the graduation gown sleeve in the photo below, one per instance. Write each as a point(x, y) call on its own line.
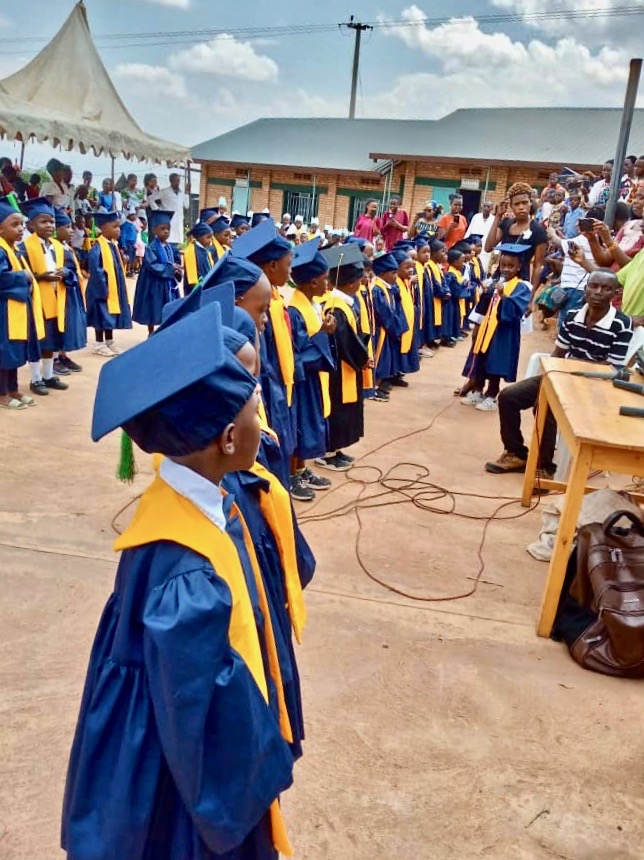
point(511, 308)
point(384, 314)
point(349, 348)
point(153, 262)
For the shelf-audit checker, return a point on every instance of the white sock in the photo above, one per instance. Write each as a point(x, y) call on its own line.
point(47, 368)
point(34, 369)
point(108, 342)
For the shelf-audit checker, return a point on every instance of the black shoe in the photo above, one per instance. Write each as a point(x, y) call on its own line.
point(60, 369)
point(56, 384)
point(39, 388)
point(450, 344)
point(334, 463)
point(69, 364)
point(299, 490)
point(381, 396)
point(399, 382)
point(315, 482)
point(386, 385)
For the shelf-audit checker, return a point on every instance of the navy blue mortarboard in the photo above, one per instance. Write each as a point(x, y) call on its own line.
point(201, 229)
point(242, 272)
point(7, 209)
point(308, 262)
point(513, 249)
point(207, 214)
point(400, 254)
point(262, 244)
point(356, 240)
point(239, 221)
point(385, 263)
point(258, 218)
point(403, 245)
point(159, 217)
point(345, 264)
point(172, 400)
point(176, 310)
point(61, 218)
point(105, 217)
point(37, 206)
point(420, 240)
point(224, 294)
point(475, 239)
point(244, 324)
point(221, 223)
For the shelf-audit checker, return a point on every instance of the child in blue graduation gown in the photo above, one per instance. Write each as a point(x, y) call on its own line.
point(495, 349)
point(160, 273)
point(406, 351)
point(181, 748)
point(389, 323)
point(106, 299)
point(436, 291)
point(454, 297)
point(74, 335)
point(313, 362)
point(21, 320)
point(198, 257)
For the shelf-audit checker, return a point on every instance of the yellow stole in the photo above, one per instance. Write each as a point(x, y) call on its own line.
point(190, 263)
point(420, 274)
point(79, 273)
point(366, 327)
point(313, 325)
point(52, 293)
point(476, 265)
point(382, 334)
point(283, 342)
point(107, 262)
point(459, 277)
point(17, 316)
point(275, 505)
point(263, 422)
point(407, 338)
point(349, 376)
point(490, 320)
point(435, 270)
point(164, 515)
point(219, 249)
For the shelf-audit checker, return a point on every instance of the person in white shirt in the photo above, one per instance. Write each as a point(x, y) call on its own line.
point(173, 199)
point(480, 226)
point(598, 194)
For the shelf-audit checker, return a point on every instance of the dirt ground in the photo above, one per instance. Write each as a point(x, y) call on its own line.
point(436, 731)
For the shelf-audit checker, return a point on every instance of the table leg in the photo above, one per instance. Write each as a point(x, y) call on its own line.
point(533, 454)
point(581, 462)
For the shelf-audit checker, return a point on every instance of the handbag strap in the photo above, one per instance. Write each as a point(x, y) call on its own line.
point(611, 521)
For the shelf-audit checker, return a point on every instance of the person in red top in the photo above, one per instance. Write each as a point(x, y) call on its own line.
point(368, 224)
point(453, 226)
point(394, 223)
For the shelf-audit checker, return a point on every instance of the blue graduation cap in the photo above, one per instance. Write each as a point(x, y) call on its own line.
point(356, 240)
point(420, 240)
point(385, 263)
point(61, 218)
point(201, 229)
point(159, 218)
point(262, 244)
point(345, 264)
point(242, 272)
point(400, 254)
point(244, 324)
point(208, 215)
point(404, 245)
point(475, 239)
point(258, 217)
point(37, 206)
point(224, 295)
point(105, 217)
point(7, 208)
point(238, 221)
point(308, 262)
point(513, 250)
point(172, 400)
point(219, 224)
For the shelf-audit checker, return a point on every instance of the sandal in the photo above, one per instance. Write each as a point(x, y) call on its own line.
point(14, 404)
point(26, 399)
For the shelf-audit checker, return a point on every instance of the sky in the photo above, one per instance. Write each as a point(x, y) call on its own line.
point(202, 86)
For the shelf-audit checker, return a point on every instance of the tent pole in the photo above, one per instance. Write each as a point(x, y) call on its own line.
point(22, 153)
point(113, 193)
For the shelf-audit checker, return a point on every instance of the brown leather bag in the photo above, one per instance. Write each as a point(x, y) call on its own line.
point(609, 582)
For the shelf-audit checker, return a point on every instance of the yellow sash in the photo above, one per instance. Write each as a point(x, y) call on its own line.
point(435, 270)
point(190, 263)
point(164, 515)
point(490, 320)
point(476, 266)
point(52, 304)
point(349, 376)
point(382, 334)
point(366, 327)
point(17, 317)
point(407, 338)
point(275, 505)
point(459, 277)
point(107, 262)
point(313, 325)
point(79, 272)
point(220, 250)
point(263, 422)
point(283, 342)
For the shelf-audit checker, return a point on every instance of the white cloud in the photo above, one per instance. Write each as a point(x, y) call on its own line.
point(226, 56)
point(177, 4)
point(155, 80)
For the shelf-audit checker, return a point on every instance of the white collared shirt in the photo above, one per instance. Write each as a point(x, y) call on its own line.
point(350, 300)
point(202, 493)
point(50, 257)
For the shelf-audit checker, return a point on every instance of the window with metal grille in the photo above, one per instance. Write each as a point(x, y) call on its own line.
point(301, 203)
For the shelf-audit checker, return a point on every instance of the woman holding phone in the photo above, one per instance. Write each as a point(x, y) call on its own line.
point(452, 227)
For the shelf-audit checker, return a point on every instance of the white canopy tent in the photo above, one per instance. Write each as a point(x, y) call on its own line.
point(46, 102)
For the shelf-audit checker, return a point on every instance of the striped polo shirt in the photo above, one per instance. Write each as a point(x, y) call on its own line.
point(607, 341)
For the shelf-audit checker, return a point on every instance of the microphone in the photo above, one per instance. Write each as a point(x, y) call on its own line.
point(629, 386)
point(631, 411)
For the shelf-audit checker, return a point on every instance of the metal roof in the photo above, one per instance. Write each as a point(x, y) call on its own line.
point(557, 136)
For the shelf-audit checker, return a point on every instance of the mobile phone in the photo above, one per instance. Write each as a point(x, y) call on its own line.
point(456, 219)
point(585, 225)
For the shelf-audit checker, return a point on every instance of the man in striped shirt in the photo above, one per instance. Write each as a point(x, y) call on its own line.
point(597, 332)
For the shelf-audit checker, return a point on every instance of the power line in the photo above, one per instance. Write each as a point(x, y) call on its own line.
point(113, 41)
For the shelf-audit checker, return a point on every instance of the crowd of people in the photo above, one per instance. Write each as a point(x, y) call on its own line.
point(265, 341)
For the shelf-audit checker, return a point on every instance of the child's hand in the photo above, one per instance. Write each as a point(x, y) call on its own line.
point(329, 323)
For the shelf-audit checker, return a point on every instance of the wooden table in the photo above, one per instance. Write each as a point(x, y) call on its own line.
point(597, 436)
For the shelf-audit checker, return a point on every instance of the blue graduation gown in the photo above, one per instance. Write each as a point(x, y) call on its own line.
point(97, 291)
point(429, 330)
point(502, 356)
point(75, 334)
point(156, 284)
point(281, 417)
point(176, 755)
point(386, 319)
point(312, 355)
point(400, 327)
point(203, 266)
point(17, 287)
point(451, 312)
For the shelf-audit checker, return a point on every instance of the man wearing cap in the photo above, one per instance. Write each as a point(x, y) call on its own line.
point(181, 747)
point(161, 272)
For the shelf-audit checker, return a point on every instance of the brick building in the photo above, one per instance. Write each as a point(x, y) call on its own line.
point(331, 167)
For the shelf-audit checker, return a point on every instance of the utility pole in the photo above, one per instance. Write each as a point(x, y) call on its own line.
point(630, 98)
point(358, 27)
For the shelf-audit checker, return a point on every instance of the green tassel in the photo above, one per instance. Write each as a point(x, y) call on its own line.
point(127, 467)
